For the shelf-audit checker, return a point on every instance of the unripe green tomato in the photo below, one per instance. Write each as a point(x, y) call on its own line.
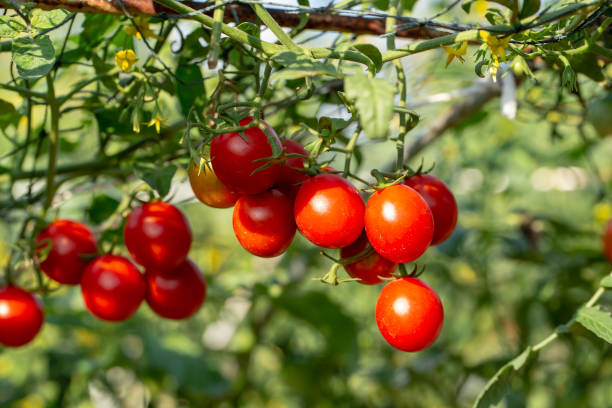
point(599, 113)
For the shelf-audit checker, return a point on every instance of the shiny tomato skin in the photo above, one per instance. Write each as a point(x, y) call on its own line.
point(441, 201)
point(607, 240)
point(398, 223)
point(369, 268)
point(157, 235)
point(328, 211)
point(177, 295)
point(112, 288)
point(21, 316)
point(263, 223)
point(234, 159)
point(289, 176)
point(409, 314)
point(71, 244)
point(209, 189)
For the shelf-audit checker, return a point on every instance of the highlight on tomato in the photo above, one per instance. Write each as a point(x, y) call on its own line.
point(21, 316)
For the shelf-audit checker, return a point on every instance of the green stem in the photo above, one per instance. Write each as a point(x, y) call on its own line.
point(25, 92)
point(63, 99)
point(601, 29)
point(598, 49)
point(215, 38)
point(350, 147)
point(54, 136)
point(426, 45)
point(269, 21)
point(230, 105)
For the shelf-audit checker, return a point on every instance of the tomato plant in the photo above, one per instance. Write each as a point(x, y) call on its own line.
point(209, 189)
point(290, 176)
point(441, 202)
point(21, 316)
point(177, 294)
point(157, 235)
point(399, 223)
point(329, 211)
point(263, 223)
point(237, 159)
point(68, 245)
point(370, 267)
point(112, 288)
point(409, 314)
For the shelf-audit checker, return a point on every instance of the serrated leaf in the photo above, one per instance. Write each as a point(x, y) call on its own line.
point(10, 27)
point(101, 208)
point(300, 66)
point(47, 19)
point(34, 57)
point(160, 179)
point(597, 321)
point(372, 53)
point(606, 282)
point(498, 386)
point(374, 100)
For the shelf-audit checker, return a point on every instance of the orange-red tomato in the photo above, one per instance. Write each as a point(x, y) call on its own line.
point(409, 314)
point(176, 295)
point(71, 243)
point(112, 287)
point(209, 189)
point(398, 223)
point(263, 223)
point(369, 268)
point(21, 316)
point(441, 203)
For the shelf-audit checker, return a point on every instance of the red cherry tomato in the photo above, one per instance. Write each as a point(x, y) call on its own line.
point(399, 223)
point(176, 295)
point(289, 177)
point(234, 159)
point(369, 268)
point(329, 211)
point(70, 243)
point(209, 189)
point(409, 314)
point(263, 223)
point(21, 316)
point(112, 288)
point(157, 235)
point(607, 239)
point(441, 202)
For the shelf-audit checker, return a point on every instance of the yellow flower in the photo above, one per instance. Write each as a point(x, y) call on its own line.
point(496, 45)
point(158, 121)
point(125, 59)
point(143, 27)
point(481, 6)
point(455, 52)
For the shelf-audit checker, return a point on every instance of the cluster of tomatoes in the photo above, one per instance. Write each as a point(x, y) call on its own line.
point(274, 197)
point(158, 238)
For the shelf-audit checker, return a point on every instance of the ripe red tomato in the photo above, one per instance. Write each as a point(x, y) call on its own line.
point(399, 223)
point(369, 268)
point(71, 242)
point(607, 239)
point(263, 223)
point(21, 316)
point(234, 159)
point(441, 203)
point(289, 177)
point(178, 295)
point(409, 314)
point(157, 235)
point(329, 211)
point(112, 287)
point(209, 189)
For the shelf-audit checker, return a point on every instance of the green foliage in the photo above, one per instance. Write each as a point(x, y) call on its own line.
point(34, 57)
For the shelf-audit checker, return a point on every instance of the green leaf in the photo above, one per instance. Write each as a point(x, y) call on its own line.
point(48, 19)
point(586, 63)
point(7, 110)
point(10, 27)
point(408, 5)
point(160, 179)
point(249, 28)
point(597, 321)
point(498, 386)
point(530, 7)
point(606, 282)
point(34, 58)
point(374, 102)
point(372, 53)
point(191, 90)
point(300, 66)
point(101, 208)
